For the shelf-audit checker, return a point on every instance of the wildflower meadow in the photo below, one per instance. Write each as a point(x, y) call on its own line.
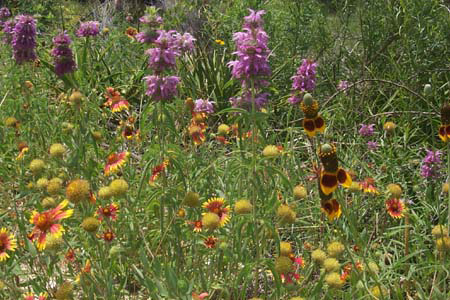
point(276, 149)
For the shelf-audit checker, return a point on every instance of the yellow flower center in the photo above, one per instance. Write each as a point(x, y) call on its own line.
point(43, 222)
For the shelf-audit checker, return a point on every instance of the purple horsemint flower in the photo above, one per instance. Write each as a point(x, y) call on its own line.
point(149, 34)
point(431, 164)
point(4, 13)
point(245, 101)
point(146, 37)
point(62, 54)
point(254, 20)
point(372, 146)
point(367, 130)
point(305, 78)
point(8, 29)
point(24, 39)
point(185, 42)
point(89, 28)
point(204, 106)
point(161, 88)
point(342, 85)
point(163, 56)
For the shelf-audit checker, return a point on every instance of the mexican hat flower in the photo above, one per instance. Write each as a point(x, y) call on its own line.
point(7, 243)
point(108, 212)
point(332, 174)
point(47, 223)
point(331, 208)
point(115, 162)
point(395, 208)
point(312, 122)
point(217, 206)
point(444, 128)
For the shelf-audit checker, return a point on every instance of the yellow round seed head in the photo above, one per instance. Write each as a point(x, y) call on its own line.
point(210, 221)
point(439, 231)
point(318, 256)
point(97, 135)
point(376, 292)
point(223, 129)
point(57, 150)
point(242, 207)
point(42, 183)
point(300, 192)
point(394, 190)
point(90, 224)
point(54, 186)
point(285, 249)
point(11, 122)
point(389, 127)
point(331, 264)
point(78, 190)
point(335, 249)
point(334, 280)
point(283, 265)
point(104, 192)
point(48, 202)
point(191, 199)
point(373, 267)
point(64, 291)
point(443, 244)
point(76, 98)
point(118, 187)
point(37, 166)
point(445, 188)
point(271, 151)
point(286, 214)
point(54, 242)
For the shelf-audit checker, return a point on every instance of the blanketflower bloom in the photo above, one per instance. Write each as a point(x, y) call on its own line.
point(107, 212)
point(46, 223)
point(161, 88)
point(131, 32)
point(115, 162)
point(31, 296)
point(107, 236)
point(115, 101)
point(89, 28)
point(7, 243)
point(23, 148)
point(395, 207)
point(204, 106)
point(198, 226)
point(62, 54)
point(217, 206)
point(210, 242)
point(431, 164)
point(24, 39)
point(366, 130)
point(157, 171)
point(368, 186)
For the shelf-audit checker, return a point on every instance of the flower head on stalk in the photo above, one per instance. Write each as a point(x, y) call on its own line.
point(303, 81)
point(431, 164)
point(395, 208)
point(203, 106)
point(151, 23)
point(313, 121)
point(332, 174)
point(115, 162)
point(24, 39)
point(157, 171)
point(115, 101)
point(161, 88)
point(108, 212)
point(7, 243)
point(46, 223)
point(89, 28)
point(367, 130)
point(62, 54)
point(217, 206)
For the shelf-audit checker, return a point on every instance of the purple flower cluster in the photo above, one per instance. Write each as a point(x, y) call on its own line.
point(367, 130)
point(24, 39)
point(161, 88)
point(149, 34)
point(8, 29)
point(4, 15)
point(252, 65)
point(372, 146)
point(204, 106)
point(303, 81)
point(89, 28)
point(431, 164)
point(342, 85)
point(62, 54)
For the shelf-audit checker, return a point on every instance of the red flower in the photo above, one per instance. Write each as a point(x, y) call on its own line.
point(109, 212)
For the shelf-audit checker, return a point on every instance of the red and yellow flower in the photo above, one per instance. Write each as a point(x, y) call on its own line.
point(197, 132)
point(46, 223)
point(368, 186)
point(131, 32)
point(107, 212)
point(210, 242)
point(312, 122)
point(7, 243)
point(108, 235)
point(157, 171)
point(198, 226)
point(115, 101)
point(23, 148)
point(217, 206)
point(115, 162)
point(395, 208)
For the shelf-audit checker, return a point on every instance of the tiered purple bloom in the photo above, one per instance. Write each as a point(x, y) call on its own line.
point(204, 106)
point(8, 29)
point(431, 164)
point(151, 24)
point(252, 66)
point(24, 39)
point(89, 28)
point(343, 85)
point(303, 81)
point(366, 130)
point(62, 54)
point(169, 45)
point(4, 15)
